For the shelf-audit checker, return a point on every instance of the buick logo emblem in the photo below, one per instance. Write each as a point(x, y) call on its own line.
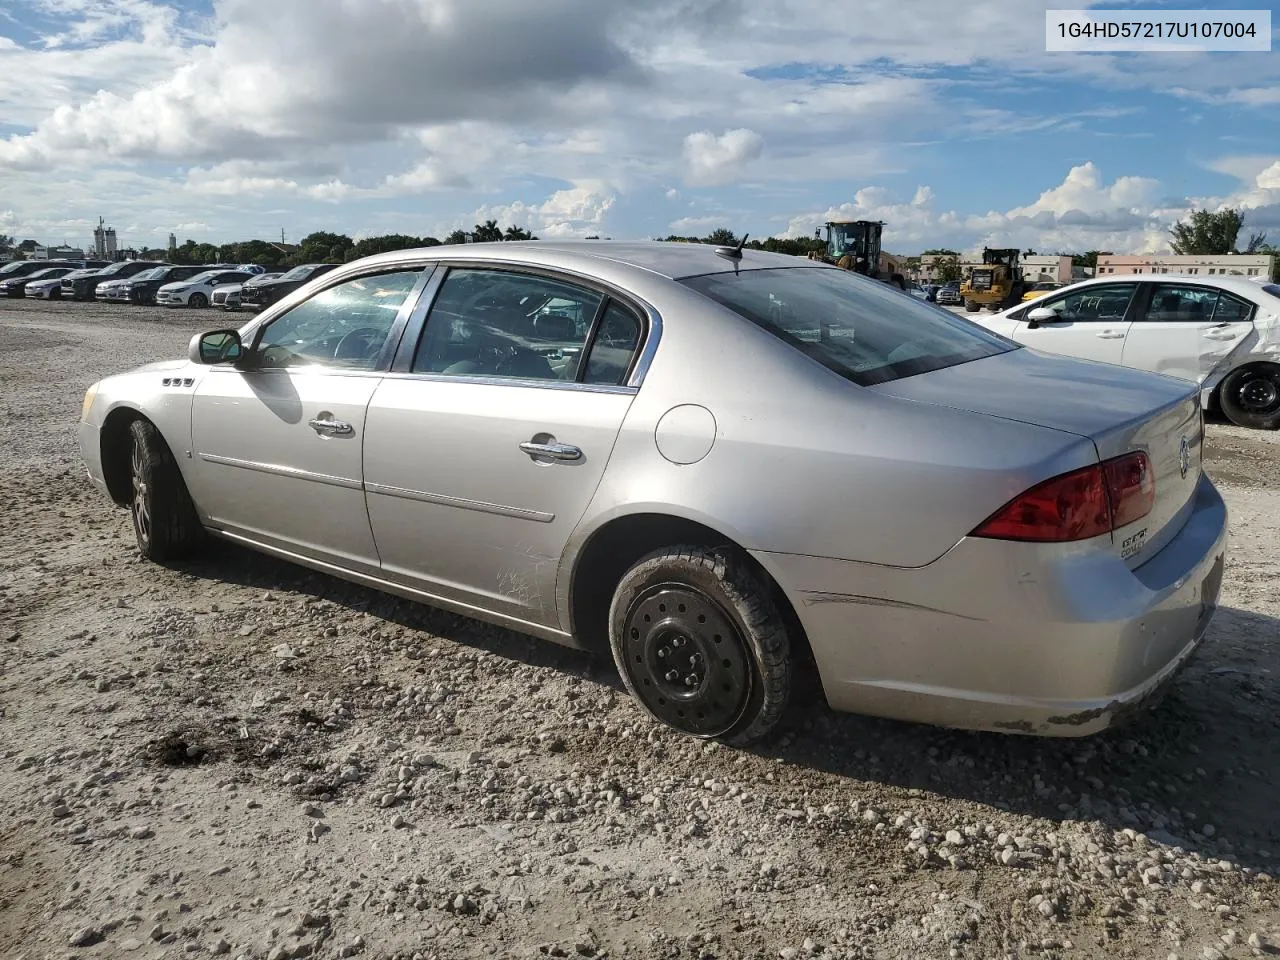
point(1184, 457)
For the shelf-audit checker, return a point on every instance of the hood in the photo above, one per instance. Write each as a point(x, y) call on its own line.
point(161, 365)
point(175, 285)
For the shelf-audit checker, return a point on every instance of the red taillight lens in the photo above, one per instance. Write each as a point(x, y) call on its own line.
point(1131, 486)
point(1078, 505)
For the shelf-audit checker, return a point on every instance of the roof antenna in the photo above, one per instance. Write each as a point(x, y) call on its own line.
point(733, 253)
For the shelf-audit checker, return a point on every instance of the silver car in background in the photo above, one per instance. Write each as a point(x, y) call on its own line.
point(720, 464)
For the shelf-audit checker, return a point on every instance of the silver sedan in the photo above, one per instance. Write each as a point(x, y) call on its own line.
point(723, 465)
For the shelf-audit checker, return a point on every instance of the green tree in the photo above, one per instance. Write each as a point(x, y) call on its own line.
point(723, 237)
point(458, 236)
point(1208, 233)
point(940, 252)
point(322, 246)
point(1258, 243)
point(6, 243)
point(384, 244)
point(517, 233)
point(1087, 259)
point(487, 232)
point(948, 269)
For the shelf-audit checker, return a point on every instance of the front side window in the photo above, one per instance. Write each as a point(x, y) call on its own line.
point(1103, 302)
point(862, 329)
point(1175, 303)
point(347, 325)
point(496, 323)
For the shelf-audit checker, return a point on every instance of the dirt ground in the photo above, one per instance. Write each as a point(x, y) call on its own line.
point(240, 757)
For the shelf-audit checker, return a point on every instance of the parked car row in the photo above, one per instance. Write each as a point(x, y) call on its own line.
point(147, 282)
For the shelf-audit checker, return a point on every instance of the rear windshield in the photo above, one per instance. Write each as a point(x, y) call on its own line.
point(862, 329)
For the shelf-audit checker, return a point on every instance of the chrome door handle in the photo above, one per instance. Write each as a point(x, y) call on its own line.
point(1110, 335)
point(1219, 336)
point(326, 425)
point(551, 450)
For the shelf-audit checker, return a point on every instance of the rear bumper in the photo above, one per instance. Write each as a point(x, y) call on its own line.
point(1007, 636)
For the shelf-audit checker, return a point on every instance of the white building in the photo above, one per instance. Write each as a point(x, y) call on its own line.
point(1226, 265)
point(1038, 267)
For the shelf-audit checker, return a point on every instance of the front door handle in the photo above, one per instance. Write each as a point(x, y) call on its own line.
point(551, 450)
point(1110, 334)
point(1224, 335)
point(327, 426)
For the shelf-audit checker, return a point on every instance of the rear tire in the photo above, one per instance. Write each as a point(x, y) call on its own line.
point(164, 518)
point(1250, 396)
point(198, 300)
point(700, 644)
point(971, 307)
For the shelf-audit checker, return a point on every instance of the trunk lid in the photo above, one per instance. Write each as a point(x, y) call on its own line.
point(1119, 409)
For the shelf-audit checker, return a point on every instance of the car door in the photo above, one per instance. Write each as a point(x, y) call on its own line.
point(482, 454)
point(1091, 322)
point(276, 440)
point(1186, 329)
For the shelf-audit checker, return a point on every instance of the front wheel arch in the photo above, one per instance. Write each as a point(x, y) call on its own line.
point(113, 448)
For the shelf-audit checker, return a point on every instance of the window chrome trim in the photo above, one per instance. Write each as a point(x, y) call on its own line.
point(280, 470)
point(570, 385)
point(480, 506)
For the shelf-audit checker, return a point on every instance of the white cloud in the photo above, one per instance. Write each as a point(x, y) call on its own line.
point(716, 160)
point(576, 211)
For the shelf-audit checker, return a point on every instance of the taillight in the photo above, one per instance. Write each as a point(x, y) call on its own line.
point(1078, 505)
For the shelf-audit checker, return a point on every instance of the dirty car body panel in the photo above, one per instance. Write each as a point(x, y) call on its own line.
point(668, 380)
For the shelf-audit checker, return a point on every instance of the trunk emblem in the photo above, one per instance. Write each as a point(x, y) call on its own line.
point(1184, 457)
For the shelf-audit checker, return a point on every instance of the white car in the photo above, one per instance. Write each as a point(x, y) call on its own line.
point(197, 291)
point(1220, 332)
point(44, 289)
point(113, 290)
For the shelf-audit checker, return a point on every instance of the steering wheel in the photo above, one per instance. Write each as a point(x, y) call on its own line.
point(360, 339)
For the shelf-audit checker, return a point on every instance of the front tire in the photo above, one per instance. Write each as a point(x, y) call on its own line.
point(1250, 396)
point(700, 643)
point(198, 300)
point(970, 307)
point(164, 518)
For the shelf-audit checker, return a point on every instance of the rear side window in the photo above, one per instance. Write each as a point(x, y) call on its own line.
point(613, 347)
point(862, 329)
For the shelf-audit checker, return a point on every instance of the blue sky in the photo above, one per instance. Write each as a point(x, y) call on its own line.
point(629, 118)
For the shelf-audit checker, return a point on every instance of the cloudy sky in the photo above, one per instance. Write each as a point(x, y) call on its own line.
point(231, 119)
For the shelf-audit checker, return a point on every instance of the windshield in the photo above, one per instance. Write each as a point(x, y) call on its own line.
point(862, 329)
point(298, 273)
point(14, 267)
point(155, 273)
point(1045, 286)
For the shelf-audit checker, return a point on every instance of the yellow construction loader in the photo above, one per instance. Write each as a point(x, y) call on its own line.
point(997, 284)
point(855, 245)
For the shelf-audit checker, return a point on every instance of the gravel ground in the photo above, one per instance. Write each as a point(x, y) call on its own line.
point(240, 757)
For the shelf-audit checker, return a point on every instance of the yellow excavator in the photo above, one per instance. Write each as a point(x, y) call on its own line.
point(855, 245)
point(997, 284)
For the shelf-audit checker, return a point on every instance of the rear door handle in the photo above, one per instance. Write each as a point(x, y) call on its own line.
point(1110, 334)
point(326, 425)
point(552, 450)
point(1219, 335)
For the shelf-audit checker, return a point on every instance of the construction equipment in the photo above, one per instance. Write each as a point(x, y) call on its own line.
point(855, 245)
point(997, 284)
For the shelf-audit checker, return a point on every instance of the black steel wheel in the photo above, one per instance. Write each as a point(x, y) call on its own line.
point(1250, 396)
point(700, 644)
point(165, 522)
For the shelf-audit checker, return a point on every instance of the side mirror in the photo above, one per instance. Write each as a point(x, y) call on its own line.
point(1041, 315)
point(217, 346)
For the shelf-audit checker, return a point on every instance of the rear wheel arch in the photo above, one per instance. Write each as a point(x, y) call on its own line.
point(619, 544)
